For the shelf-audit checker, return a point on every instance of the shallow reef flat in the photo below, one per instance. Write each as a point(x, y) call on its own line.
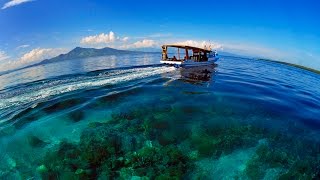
point(135, 144)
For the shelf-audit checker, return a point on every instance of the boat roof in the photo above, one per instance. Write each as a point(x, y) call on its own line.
point(186, 47)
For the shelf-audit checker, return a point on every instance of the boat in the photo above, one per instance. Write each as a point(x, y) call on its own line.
point(192, 56)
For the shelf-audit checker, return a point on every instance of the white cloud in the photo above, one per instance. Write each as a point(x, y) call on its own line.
point(100, 38)
point(32, 57)
point(3, 56)
point(14, 3)
point(23, 46)
point(41, 54)
point(125, 39)
point(200, 44)
point(146, 43)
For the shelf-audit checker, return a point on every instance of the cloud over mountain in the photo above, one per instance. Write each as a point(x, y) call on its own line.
point(40, 54)
point(3, 55)
point(98, 39)
point(145, 43)
point(31, 57)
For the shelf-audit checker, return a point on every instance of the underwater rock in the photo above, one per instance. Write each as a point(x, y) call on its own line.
point(117, 97)
point(108, 100)
point(66, 104)
point(77, 115)
point(24, 113)
point(26, 120)
point(36, 142)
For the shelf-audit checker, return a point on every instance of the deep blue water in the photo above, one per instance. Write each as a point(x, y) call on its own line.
point(126, 116)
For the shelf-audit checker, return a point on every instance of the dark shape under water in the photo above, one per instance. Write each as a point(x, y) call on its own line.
point(36, 142)
point(63, 105)
point(77, 115)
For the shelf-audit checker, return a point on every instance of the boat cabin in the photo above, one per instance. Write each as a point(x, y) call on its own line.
point(185, 53)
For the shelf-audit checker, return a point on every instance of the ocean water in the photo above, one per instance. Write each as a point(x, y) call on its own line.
point(127, 117)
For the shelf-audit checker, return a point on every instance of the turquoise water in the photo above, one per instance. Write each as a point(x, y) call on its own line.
point(104, 118)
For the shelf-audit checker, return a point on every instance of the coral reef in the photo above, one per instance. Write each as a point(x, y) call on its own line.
point(118, 148)
point(216, 141)
point(288, 154)
point(144, 142)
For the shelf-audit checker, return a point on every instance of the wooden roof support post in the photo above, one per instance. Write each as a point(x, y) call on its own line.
point(187, 55)
point(164, 53)
point(179, 53)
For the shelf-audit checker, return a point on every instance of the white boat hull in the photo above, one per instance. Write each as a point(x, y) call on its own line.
point(190, 63)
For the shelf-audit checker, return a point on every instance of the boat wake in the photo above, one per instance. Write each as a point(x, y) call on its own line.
point(43, 90)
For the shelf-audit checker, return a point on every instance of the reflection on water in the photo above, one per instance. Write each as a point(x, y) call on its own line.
point(64, 67)
point(76, 66)
point(202, 73)
point(103, 62)
point(22, 76)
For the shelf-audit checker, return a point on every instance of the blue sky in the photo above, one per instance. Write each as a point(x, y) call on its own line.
point(31, 30)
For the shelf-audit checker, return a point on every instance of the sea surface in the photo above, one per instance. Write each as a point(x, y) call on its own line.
point(128, 117)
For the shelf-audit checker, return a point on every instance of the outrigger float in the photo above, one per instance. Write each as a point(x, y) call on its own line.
point(192, 56)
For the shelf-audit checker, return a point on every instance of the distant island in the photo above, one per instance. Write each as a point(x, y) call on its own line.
point(78, 53)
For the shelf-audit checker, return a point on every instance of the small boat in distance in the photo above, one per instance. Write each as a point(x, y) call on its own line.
point(191, 56)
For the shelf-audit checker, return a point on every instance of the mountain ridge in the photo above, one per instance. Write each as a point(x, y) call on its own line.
point(80, 52)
